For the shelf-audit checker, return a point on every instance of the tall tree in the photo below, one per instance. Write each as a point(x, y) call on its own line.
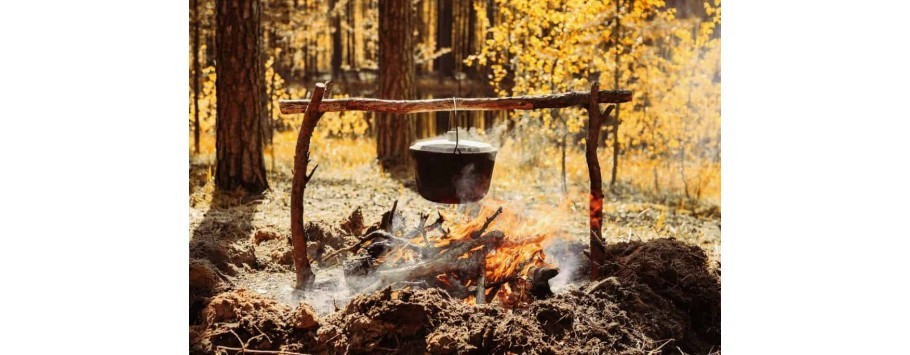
point(445, 64)
point(195, 57)
point(239, 88)
point(335, 21)
point(394, 133)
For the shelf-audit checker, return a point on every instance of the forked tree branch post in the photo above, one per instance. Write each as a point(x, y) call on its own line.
point(596, 199)
point(305, 276)
point(314, 108)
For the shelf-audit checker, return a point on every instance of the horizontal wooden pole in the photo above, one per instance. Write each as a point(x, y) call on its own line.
point(532, 102)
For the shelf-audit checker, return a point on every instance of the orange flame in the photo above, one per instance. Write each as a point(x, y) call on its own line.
point(507, 266)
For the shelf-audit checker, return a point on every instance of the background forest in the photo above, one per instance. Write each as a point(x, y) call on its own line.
point(663, 145)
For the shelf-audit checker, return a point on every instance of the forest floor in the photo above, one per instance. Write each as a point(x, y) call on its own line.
point(241, 273)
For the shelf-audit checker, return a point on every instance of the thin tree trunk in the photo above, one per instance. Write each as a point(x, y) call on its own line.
point(445, 64)
point(616, 36)
point(337, 49)
point(565, 186)
point(195, 57)
point(349, 19)
point(396, 81)
point(271, 109)
point(264, 45)
point(239, 89)
point(562, 147)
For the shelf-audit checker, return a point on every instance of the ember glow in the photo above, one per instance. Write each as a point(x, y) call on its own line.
point(508, 266)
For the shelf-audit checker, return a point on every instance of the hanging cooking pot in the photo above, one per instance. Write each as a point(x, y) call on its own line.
point(453, 169)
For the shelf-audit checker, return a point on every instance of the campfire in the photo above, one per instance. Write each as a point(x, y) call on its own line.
point(496, 257)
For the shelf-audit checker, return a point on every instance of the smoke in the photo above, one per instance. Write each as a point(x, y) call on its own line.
point(466, 184)
point(560, 252)
point(328, 292)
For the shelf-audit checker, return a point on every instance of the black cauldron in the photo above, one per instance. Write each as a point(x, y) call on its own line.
point(449, 175)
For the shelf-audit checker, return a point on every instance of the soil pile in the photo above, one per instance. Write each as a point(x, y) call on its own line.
point(429, 321)
point(661, 295)
point(243, 319)
point(668, 289)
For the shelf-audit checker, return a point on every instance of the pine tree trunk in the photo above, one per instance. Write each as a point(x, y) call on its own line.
point(445, 64)
point(264, 45)
point(195, 57)
point(239, 88)
point(394, 133)
point(337, 49)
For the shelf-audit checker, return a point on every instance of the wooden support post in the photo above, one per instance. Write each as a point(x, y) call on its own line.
point(305, 276)
point(596, 202)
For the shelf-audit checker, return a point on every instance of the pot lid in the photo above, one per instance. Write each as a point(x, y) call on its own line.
point(446, 144)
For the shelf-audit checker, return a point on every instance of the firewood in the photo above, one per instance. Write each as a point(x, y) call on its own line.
point(487, 222)
point(447, 261)
point(421, 228)
point(540, 280)
point(426, 229)
point(388, 217)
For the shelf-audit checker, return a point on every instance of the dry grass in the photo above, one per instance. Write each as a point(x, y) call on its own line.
point(526, 178)
point(517, 164)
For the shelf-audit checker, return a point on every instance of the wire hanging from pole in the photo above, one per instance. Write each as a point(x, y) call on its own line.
point(455, 110)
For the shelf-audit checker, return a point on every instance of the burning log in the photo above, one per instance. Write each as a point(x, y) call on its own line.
point(540, 281)
point(358, 271)
point(472, 264)
point(448, 261)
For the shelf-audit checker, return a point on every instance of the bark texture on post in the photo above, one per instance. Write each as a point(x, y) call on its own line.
point(396, 81)
point(596, 202)
point(239, 94)
point(305, 276)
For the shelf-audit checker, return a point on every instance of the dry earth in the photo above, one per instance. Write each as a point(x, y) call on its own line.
point(664, 295)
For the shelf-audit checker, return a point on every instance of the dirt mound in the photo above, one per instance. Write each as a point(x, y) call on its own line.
point(419, 321)
point(244, 319)
point(226, 257)
point(304, 317)
point(669, 291)
point(430, 321)
point(265, 234)
point(584, 324)
point(204, 283)
point(660, 295)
